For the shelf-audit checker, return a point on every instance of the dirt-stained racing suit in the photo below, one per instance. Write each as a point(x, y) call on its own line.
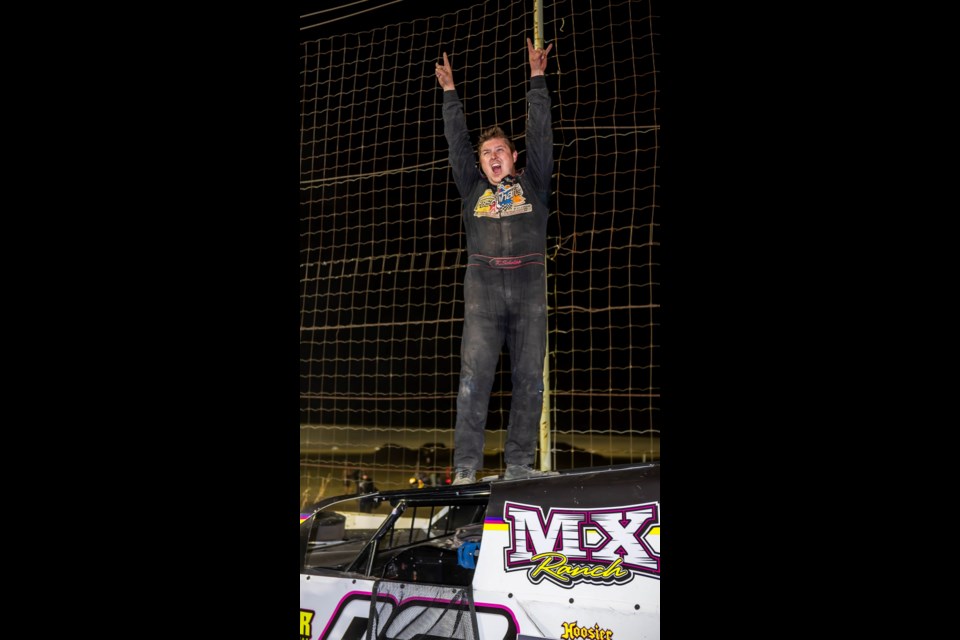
point(504, 286)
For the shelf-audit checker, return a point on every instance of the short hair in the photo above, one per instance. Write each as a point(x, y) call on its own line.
point(491, 133)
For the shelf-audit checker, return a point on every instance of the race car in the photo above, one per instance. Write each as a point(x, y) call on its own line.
point(569, 556)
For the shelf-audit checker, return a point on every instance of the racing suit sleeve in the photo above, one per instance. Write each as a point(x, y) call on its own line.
point(539, 138)
point(462, 160)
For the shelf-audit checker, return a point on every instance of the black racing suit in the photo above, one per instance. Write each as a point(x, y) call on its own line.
point(504, 288)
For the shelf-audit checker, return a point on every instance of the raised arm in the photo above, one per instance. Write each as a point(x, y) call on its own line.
point(463, 160)
point(539, 126)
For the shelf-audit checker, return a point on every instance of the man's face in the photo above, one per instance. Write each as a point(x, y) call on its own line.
point(496, 160)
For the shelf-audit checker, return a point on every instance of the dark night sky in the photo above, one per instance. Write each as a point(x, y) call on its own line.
point(369, 14)
point(741, 338)
point(578, 286)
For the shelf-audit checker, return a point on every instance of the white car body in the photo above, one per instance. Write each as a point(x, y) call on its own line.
point(573, 556)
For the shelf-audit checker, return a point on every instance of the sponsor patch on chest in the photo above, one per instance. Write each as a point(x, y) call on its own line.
point(507, 201)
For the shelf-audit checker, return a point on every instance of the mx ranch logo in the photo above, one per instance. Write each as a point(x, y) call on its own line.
point(607, 546)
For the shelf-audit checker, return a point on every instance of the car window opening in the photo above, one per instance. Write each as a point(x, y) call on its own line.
point(412, 542)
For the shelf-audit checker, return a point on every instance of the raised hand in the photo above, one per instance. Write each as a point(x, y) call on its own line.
point(538, 58)
point(445, 73)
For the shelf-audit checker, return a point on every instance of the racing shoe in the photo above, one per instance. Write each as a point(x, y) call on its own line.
point(464, 476)
point(521, 471)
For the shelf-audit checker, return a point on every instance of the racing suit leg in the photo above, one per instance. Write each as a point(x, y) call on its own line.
point(527, 341)
point(483, 336)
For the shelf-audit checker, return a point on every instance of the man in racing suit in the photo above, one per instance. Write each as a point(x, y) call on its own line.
point(505, 216)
